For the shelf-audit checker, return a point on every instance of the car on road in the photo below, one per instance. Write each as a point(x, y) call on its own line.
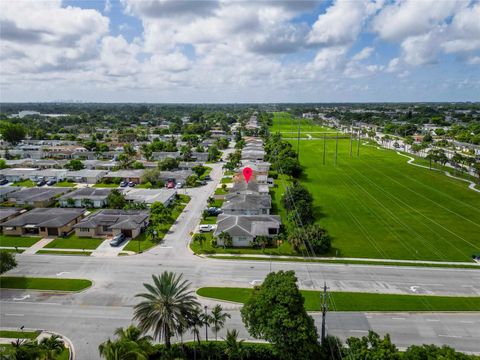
point(123, 183)
point(51, 182)
point(207, 177)
point(205, 228)
point(3, 181)
point(117, 240)
point(131, 184)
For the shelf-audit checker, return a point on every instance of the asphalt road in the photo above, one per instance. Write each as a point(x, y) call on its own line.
point(90, 317)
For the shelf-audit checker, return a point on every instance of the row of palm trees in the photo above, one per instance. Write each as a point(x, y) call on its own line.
point(168, 308)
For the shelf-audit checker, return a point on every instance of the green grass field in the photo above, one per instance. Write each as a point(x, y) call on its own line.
point(17, 282)
point(25, 183)
point(74, 242)
point(6, 240)
point(19, 334)
point(378, 206)
point(105, 185)
point(351, 301)
point(287, 125)
point(284, 249)
point(64, 252)
point(65, 184)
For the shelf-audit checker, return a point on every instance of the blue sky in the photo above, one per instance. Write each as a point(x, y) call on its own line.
point(240, 51)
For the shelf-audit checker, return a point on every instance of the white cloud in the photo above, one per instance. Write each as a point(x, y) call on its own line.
point(363, 54)
point(108, 6)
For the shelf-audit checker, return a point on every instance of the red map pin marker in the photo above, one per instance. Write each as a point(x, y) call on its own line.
point(247, 173)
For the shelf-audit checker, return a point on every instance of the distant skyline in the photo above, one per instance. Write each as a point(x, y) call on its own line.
point(239, 51)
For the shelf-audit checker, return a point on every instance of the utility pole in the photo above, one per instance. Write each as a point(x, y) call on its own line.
point(351, 136)
point(324, 146)
point(336, 150)
point(206, 323)
point(298, 141)
point(324, 311)
point(358, 145)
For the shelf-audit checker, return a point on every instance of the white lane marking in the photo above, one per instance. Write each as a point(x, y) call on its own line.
point(432, 320)
point(14, 314)
point(22, 298)
point(450, 336)
point(362, 331)
point(414, 288)
point(29, 302)
point(63, 272)
point(368, 317)
point(467, 322)
point(397, 318)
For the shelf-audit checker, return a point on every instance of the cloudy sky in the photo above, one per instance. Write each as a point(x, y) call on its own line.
point(239, 51)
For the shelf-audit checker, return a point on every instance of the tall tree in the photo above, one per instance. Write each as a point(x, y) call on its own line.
point(166, 306)
point(275, 312)
point(7, 261)
point(52, 346)
point(13, 133)
point(218, 319)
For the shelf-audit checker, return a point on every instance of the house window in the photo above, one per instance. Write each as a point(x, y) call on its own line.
point(272, 231)
point(42, 229)
point(105, 228)
point(84, 229)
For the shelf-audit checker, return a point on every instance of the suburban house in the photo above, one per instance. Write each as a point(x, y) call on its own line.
point(149, 196)
point(247, 204)
point(177, 176)
point(85, 197)
point(36, 197)
point(48, 174)
point(127, 175)
point(8, 213)
point(99, 164)
point(245, 228)
point(16, 174)
point(5, 190)
point(160, 155)
point(253, 154)
point(261, 167)
point(200, 156)
point(252, 186)
point(43, 222)
point(86, 176)
point(111, 222)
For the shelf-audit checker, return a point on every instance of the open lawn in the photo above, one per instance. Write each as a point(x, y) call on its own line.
point(19, 334)
point(221, 191)
point(64, 252)
point(287, 125)
point(74, 242)
point(143, 242)
point(65, 184)
point(105, 185)
point(25, 183)
point(207, 248)
point(6, 240)
point(351, 301)
point(378, 206)
point(17, 282)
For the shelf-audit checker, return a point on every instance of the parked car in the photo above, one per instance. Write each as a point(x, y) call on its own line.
point(3, 181)
point(205, 228)
point(41, 182)
point(51, 182)
point(123, 183)
point(179, 185)
point(117, 240)
point(203, 182)
point(131, 184)
point(214, 211)
point(170, 185)
point(207, 177)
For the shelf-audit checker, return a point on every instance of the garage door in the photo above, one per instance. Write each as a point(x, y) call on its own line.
point(127, 233)
point(53, 231)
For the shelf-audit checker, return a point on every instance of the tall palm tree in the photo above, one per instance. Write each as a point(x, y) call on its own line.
point(167, 303)
point(122, 350)
point(218, 319)
point(195, 322)
point(134, 335)
point(52, 346)
point(233, 347)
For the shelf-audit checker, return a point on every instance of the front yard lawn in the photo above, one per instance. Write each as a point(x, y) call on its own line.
point(221, 191)
point(105, 185)
point(283, 249)
point(19, 334)
point(184, 199)
point(74, 242)
point(227, 180)
point(17, 282)
point(19, 241)
point(209, 220)
point(25, 183)
point(65, 184)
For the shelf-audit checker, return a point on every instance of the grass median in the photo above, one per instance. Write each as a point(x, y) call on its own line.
point(31, 283)
point(353, 301)
point(8, 334)
point(64, 252)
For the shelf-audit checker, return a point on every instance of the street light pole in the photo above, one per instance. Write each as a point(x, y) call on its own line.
point(206, 323)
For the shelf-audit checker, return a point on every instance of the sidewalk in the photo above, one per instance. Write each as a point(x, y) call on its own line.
point(38, 246)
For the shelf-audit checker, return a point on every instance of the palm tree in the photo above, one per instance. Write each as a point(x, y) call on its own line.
point(167, 304)
point(195, 322)
point(134, 335)
point(218, 319)
point(233, 347)
point(52, 346)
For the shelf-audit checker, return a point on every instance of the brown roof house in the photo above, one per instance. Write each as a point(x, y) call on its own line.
point(43, 222)
point(112, 222)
